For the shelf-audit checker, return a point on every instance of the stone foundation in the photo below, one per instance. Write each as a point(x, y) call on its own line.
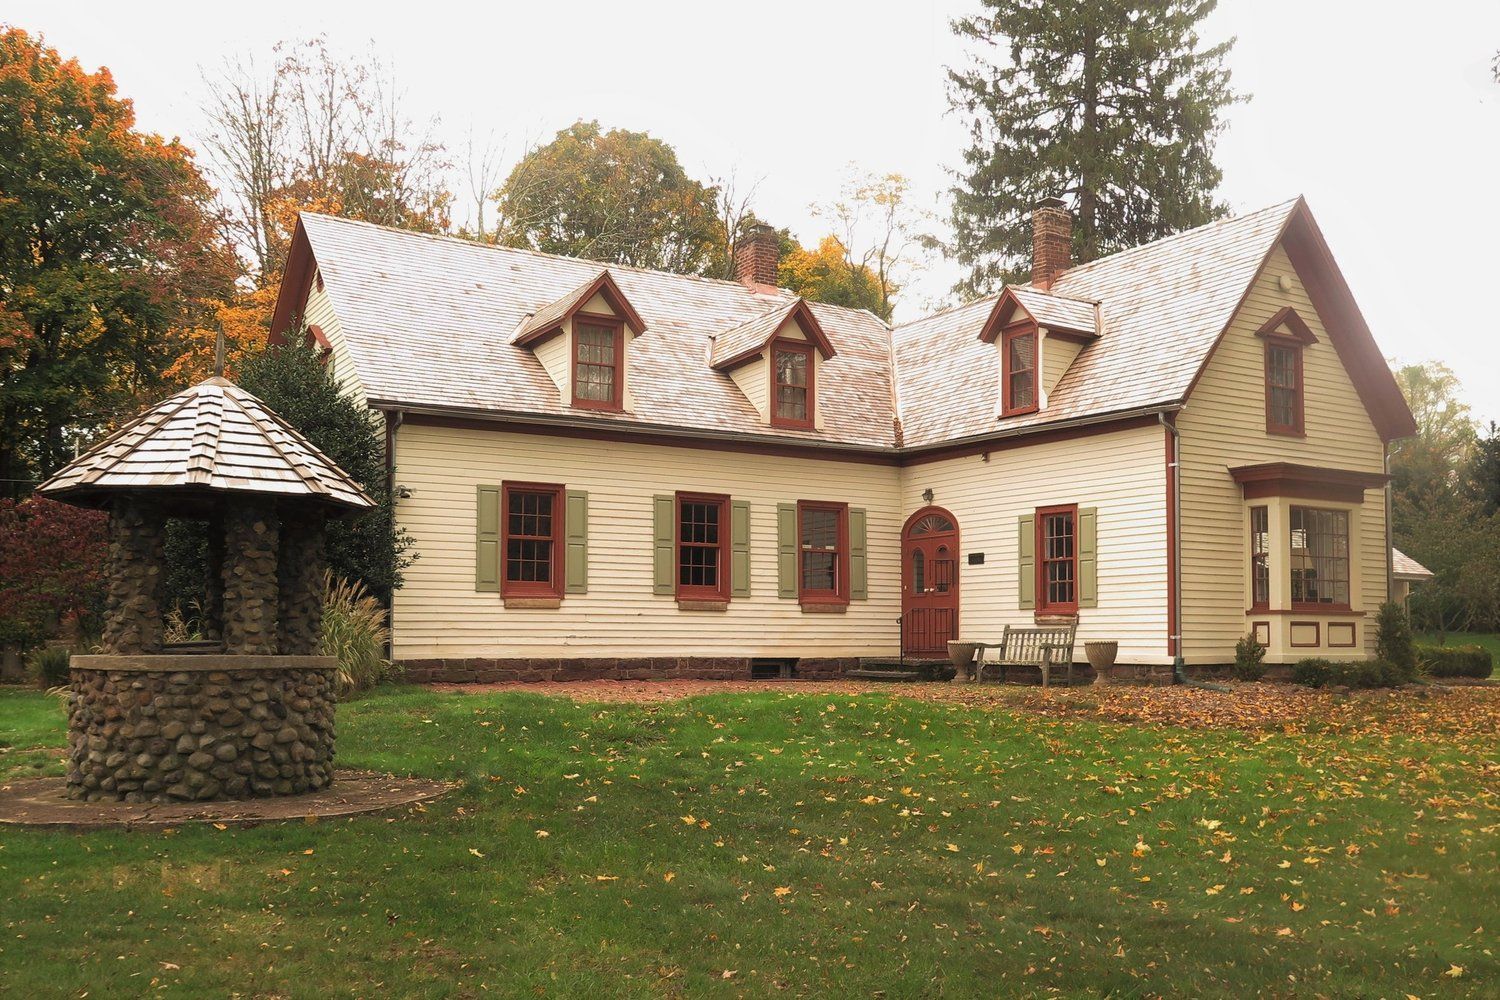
point(491, 670)
point(199, 727)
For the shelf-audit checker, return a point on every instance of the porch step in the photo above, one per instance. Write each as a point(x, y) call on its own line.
point(891, 668)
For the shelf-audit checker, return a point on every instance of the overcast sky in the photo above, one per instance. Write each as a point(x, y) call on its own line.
point(1389, 123)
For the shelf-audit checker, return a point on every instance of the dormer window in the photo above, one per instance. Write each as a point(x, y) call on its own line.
point(792, 392)
point(598, 348)
point(1020, 370)
point(775, 358)
point(581, 341)
point(1038, 335)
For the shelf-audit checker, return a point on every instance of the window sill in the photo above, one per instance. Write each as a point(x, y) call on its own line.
point(1290, 432)
point(1055, 617)
point(824, 607)
point(1325, 612)
point(699, 604)
point(1020, 412)
point(533, 602)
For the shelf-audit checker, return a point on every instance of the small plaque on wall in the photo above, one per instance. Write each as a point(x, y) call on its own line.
point(976, 558)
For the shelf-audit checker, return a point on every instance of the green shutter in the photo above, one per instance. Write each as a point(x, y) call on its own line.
point(739, 546)
point(859, 559)
point(664, 540)
point(786, 551)
point(487, 539)
point(576, 523)
point(1026, 560)
point(1088, 557)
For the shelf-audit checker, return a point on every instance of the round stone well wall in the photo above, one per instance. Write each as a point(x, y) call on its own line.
point(180, 727)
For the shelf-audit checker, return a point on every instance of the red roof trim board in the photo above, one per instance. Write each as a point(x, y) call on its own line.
point(296, 282)
point(733, 348)
point(1078, 317)
point(1287, 316)
point(549, 319)
point(1334, 302)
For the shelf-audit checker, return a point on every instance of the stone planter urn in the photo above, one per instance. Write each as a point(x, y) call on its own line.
point(1101, 656)
point(961, 652)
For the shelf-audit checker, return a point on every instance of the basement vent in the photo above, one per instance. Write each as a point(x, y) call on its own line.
point(772, 669)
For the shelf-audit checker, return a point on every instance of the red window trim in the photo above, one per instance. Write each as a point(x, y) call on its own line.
point(1304, 607)
point(806, 350)
point(1257, 606)
point(840, 594)
point(618, 326)
point(1298, 428)
point(1042, 604)
point(528, 588)
point(1010, 333)
point(695, 593)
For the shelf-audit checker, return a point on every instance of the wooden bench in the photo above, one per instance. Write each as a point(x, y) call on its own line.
point(1044, 647)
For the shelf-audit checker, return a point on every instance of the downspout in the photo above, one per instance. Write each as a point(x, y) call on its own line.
point(1174, 517)
point(393, 421)
point(1390, 530)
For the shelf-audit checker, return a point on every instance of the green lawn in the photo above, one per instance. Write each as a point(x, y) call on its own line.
point(771, 844)
point(1489, 640)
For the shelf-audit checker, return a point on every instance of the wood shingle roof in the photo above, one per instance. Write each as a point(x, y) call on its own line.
point(212, 438)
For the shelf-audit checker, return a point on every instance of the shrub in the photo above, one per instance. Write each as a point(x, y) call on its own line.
point(1393, 639)
point(49, 665)
point(1248, 657)
point(1456, 661)
point(354, 630)
point(1377, 673)
point(52, 558)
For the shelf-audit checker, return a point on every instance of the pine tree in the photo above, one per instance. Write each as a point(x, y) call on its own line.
point(1112, 106)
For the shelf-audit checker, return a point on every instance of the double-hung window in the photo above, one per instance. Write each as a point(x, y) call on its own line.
point(1320, 558)
point(791, 385)
point(1284, 387)
point(1020, 390)
point(822, 552)
point(702, 547)
point(532, 526)
point(1057, 559)
point(598, 353)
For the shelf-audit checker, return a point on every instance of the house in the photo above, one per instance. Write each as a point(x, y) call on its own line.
point(610, 471)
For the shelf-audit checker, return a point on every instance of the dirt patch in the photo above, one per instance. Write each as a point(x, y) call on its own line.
point(1460, 709)
point(41, 802)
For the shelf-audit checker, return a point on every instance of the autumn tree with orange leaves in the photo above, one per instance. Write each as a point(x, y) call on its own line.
point(109, 251)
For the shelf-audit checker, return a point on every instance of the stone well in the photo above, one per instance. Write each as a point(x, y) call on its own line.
point(144, 728)
point(247, 711)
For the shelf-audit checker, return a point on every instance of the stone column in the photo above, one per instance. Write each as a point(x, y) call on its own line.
point(250, 588)
point(303, 560)
point(132, 612)
point(213, 584)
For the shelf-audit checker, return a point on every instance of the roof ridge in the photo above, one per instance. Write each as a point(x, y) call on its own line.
point(464, 241)
point(1173, 237)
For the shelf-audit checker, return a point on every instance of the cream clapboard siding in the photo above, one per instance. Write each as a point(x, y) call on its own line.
point(753, 378)
point(1057, 355)
point(438, 613)
point(1224, 425)
point(556, 355)
point(318, 311)
point(1120, 473)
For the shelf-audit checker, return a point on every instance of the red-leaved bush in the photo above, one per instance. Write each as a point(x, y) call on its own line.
point(52, 558)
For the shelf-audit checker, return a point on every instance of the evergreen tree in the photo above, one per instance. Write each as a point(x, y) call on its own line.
point(371, 547)
point(1484, 472)
point(1112, 106)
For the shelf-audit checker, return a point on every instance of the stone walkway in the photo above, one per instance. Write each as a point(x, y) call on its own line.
point(40, 802)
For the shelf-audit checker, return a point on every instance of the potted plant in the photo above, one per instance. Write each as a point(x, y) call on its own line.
point(1101, 655)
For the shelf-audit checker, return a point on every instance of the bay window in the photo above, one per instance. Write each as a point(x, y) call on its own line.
point(1319, 558)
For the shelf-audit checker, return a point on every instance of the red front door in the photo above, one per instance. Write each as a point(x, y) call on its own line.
point(929, 583)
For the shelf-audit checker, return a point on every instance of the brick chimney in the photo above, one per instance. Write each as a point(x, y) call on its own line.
point(756, 256)
point(1051, 241)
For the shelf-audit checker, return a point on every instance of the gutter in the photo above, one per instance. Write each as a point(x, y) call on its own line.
point(779, 441)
